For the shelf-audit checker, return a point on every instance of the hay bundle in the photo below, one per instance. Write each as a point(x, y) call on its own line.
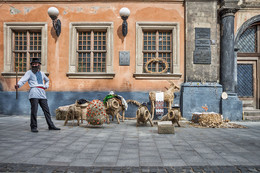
point(213, 120)
point(210, 119)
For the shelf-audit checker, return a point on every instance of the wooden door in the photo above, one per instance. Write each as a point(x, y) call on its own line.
point(248, 81)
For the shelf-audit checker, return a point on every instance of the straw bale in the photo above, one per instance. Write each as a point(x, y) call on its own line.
point(212, 120)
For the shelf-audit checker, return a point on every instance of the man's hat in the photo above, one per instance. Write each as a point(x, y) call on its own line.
point(36, 60)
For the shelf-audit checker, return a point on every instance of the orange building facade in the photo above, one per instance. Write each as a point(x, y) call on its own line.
point(59, 54)
point(207, 48)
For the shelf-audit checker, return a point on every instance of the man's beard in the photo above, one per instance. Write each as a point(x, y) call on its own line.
point(35, 69)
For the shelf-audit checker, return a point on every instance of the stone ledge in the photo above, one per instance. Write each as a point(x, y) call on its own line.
point(86, 75)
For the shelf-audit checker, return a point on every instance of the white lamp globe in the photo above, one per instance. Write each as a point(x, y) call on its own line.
point(124, 12)
point(53, 12)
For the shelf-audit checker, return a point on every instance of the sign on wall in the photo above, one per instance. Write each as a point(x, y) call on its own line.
point(124, 58)
point(202, 52)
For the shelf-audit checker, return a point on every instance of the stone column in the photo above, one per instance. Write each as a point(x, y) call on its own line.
point(231, 107)
point(227, 53)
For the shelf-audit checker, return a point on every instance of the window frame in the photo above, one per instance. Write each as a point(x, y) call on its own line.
point(28, 51)
point(81, 26)
point(144, 26)
point(9, 27)
point(157, 51)
point(92, 50)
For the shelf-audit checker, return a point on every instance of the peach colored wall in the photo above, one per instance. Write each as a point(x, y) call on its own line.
point(58, 48)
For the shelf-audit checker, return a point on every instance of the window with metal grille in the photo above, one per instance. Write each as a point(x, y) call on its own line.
point(91, 51)
point(26, 45)
point(245, 82)
point(247, 42)
point(157, 45)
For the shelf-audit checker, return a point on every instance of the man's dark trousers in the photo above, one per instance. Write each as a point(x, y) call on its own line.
point(45, 108)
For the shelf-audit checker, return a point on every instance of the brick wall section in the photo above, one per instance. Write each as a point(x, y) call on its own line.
point(200, 13)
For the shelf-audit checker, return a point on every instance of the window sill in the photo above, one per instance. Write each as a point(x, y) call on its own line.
point(19, 74)
point(90, 75)
point(157, 76)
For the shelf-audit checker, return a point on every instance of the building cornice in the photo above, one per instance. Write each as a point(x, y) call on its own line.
point(82, 1)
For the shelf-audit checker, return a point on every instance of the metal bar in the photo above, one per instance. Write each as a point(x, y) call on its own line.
point(16, 82)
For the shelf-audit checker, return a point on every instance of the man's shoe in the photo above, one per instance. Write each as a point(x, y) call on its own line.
point(34, 130)
point(54, 128)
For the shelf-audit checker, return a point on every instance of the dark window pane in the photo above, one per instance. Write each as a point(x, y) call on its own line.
point(245, 80)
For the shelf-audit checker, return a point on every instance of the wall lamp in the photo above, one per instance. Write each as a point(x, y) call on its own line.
point(124, 13)
point(53, 13)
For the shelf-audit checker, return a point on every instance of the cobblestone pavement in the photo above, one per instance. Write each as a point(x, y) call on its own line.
point(126, 148)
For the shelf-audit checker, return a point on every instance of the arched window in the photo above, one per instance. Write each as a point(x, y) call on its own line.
point(247, 42)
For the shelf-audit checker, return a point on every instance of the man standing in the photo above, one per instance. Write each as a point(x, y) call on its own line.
point(38, 82)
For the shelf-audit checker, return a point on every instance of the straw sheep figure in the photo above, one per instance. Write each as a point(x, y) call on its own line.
point(168, 97)
point(113, 107)
point(174, 115)
point(74, 112)
point(143, 114)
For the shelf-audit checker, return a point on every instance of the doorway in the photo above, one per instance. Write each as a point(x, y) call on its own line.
point(248, 66)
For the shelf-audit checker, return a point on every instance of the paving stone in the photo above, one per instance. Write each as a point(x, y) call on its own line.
point(144, 163)
point(127, 162)
point(106, 159)
point(82, 162)
point(38, 160)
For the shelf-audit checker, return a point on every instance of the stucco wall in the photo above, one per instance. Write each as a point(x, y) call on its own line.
point(58, 48)
point(243, 15)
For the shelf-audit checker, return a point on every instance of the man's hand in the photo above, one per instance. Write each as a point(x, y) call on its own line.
point(16, 86)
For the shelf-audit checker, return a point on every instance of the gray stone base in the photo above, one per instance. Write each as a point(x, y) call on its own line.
point(232, 108)
point(194, 95)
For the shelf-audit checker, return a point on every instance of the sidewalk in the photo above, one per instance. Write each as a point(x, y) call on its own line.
point(126, 148)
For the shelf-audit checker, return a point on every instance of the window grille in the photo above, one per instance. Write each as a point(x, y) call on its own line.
point(91, 51)
point(157, 44)
point(26, 45)
point(247, 41)
point(245, 80)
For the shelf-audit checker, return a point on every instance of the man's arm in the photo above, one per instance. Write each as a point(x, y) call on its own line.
point(23, 80)
point(46, 79)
